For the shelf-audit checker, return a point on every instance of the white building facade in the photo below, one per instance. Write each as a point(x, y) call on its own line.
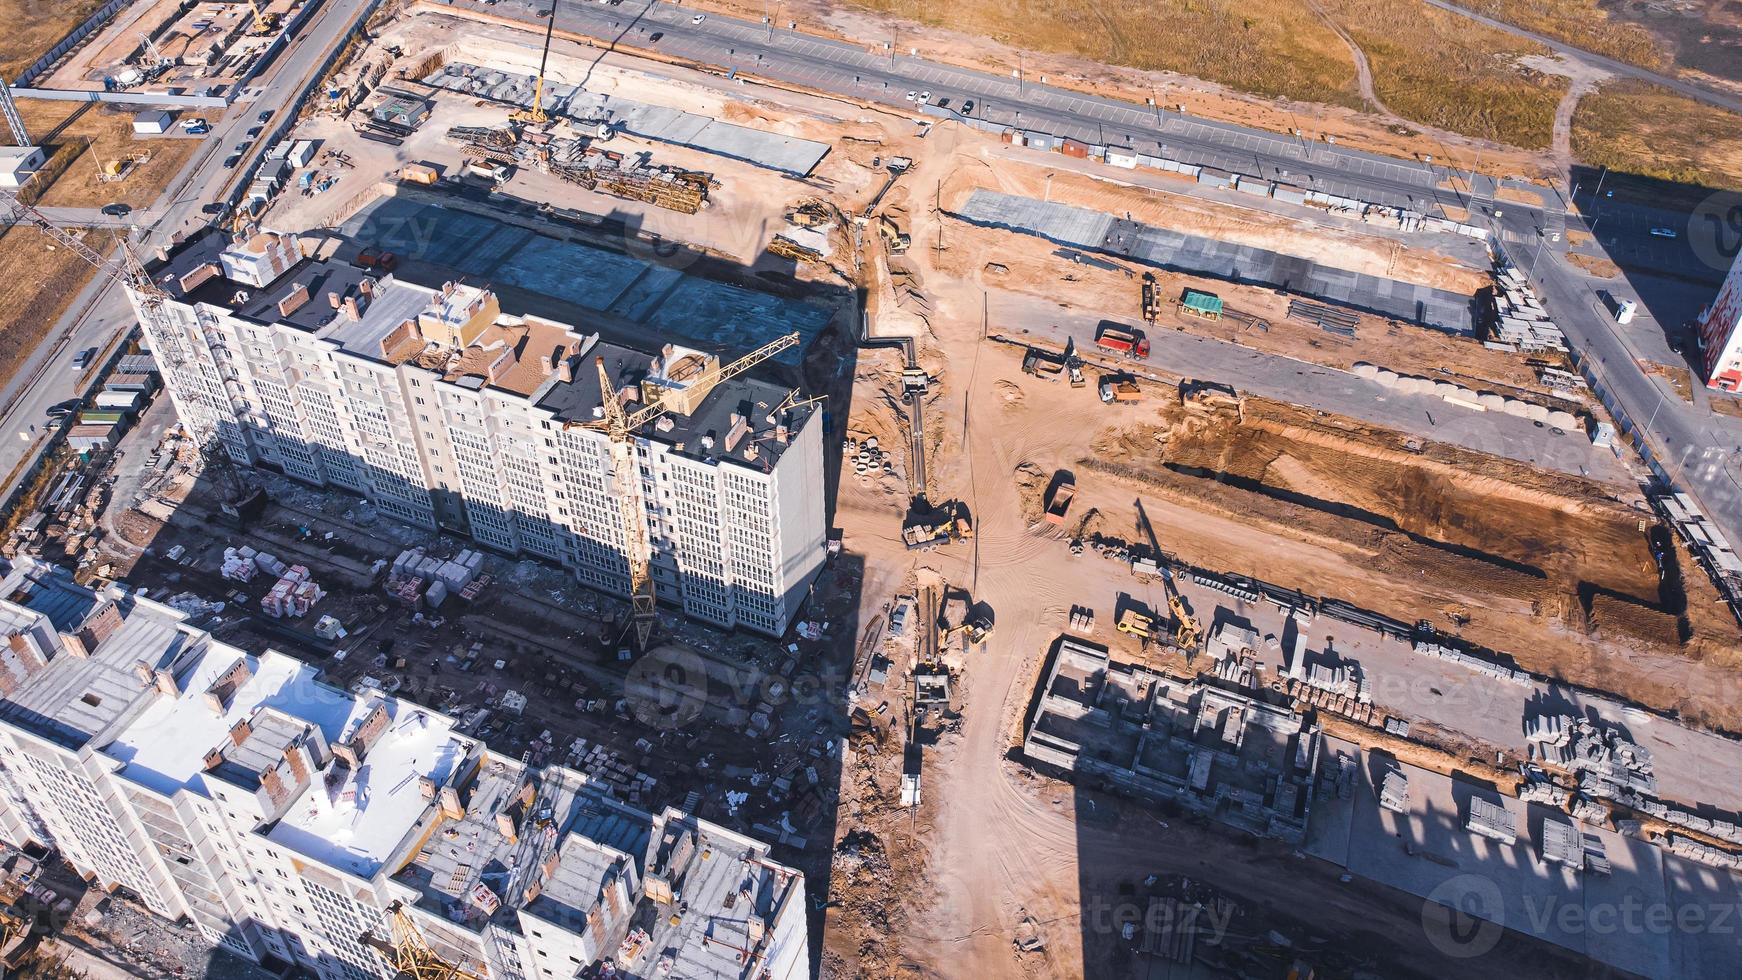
point(1720, 333)
point(447, 413)
point(285, 818)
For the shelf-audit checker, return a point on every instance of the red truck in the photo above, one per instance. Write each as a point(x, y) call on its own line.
point(377, 258)
point(1123, 340)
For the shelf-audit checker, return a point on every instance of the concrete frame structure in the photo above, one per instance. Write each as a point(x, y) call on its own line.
point(1223, 753)
point(448, 413)
point(283, 816)
point(1720, 333)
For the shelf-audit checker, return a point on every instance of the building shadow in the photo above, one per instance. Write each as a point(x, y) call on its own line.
point(771, 714)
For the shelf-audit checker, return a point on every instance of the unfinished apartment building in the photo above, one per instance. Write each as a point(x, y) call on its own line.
point(448, 413)
point(285, 818)
point(1220, 752)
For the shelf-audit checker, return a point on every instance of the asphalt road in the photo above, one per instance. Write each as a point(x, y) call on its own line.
point(1700, 93)
point(873, 74)
point(1700, 451)
point(1695, 450)
point(1316, 387)
point(101, 312)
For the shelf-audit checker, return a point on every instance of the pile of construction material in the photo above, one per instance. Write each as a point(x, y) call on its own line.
point(1476, 401)
point(1520, 322)
point(293, 595)
point(1707, 543)
point(242, 564)
point(1307, 696)
point(637, 179)
point(605, 766)
point(417, 577)
point(866, 458)
point(1481, 666)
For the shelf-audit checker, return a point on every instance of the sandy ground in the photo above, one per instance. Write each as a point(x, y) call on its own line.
point(1554, 570)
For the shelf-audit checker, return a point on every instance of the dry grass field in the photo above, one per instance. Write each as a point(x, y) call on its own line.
point(1273, 48)
point(33, 26)
point(1583, 24)
point(38, 281)
point(1438, 68)
point(1429, 66)
point(111, 131)
point(1638, 128)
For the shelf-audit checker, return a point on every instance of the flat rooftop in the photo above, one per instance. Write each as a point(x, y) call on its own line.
point(704, 435)
point(473, 851)
point(355, 820)
point(72, 698)
point(516, 353)
point(164, 748)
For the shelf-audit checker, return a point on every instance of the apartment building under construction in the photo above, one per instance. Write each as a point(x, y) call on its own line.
point(448, 412)
point(288, 820)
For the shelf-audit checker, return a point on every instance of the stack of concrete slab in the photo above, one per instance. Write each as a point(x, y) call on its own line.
point(1394, 792)
point(1492, 820)
point(1520, 322)
point(1562, 844)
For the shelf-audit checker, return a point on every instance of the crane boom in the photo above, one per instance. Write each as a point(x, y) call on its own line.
point(535, 114)
point(619, 426)
point(150, 299)
point(409, 954)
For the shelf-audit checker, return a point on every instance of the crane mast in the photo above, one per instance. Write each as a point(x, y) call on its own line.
point(619, 426)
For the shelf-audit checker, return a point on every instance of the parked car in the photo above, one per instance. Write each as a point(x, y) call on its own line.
point(655, 36)
point(216, 207)
point(117, 210)
point(911, 96)
point(968, 108)
point(84, 358)
point(231, 161)
point(61, 410)
point(924, 97)
point(265, 115)
point(192, 124)
point(697, 19)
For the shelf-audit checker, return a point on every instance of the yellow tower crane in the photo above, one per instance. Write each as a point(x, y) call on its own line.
point(534, 115)
point(619, 426)
point(409, 953)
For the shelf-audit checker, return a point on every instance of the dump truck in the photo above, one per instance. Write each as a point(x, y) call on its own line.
point(1151, 299)
point(1116, 388)
point(1060, 503)
point(1042, 364)
point(1122, 340)
point(417, 173)
point(377, 258)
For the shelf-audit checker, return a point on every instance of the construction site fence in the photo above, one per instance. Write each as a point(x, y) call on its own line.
point(162, 99)
point(1128, 159)
point(92, 23)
